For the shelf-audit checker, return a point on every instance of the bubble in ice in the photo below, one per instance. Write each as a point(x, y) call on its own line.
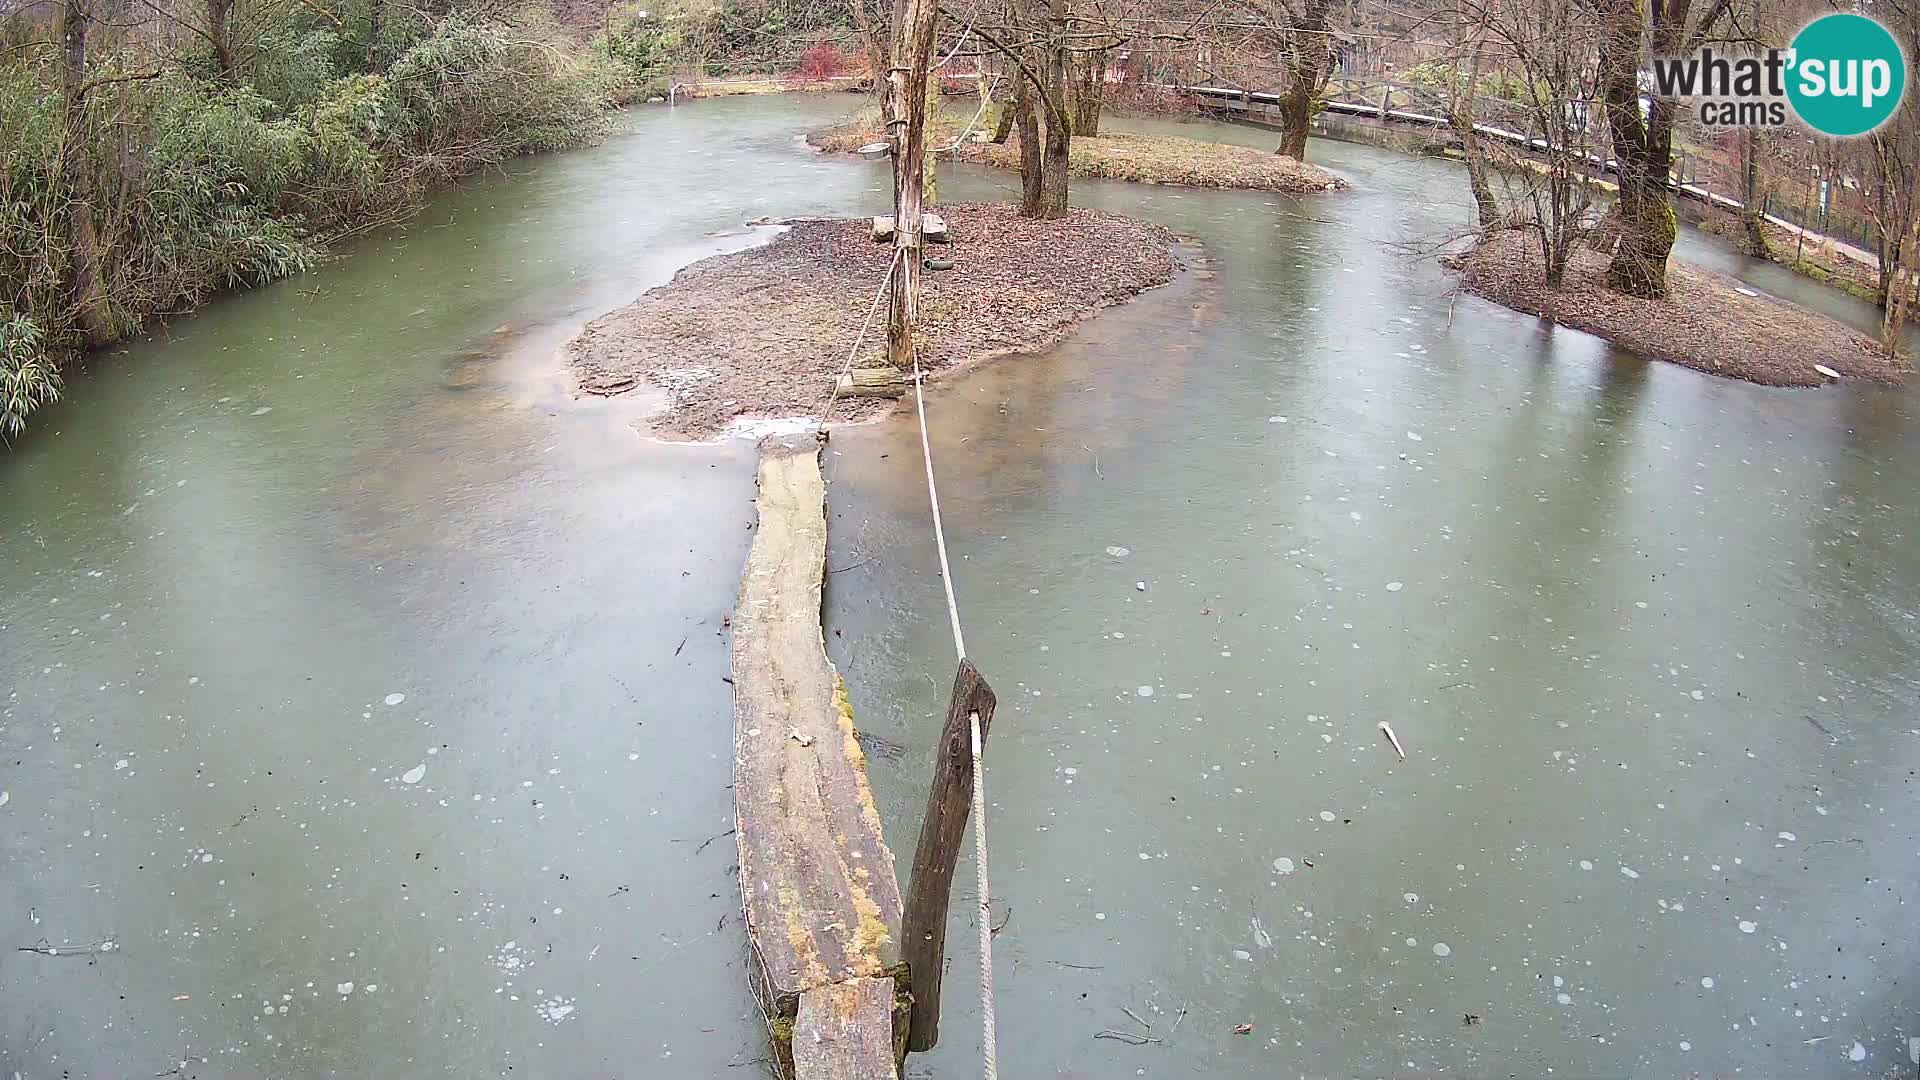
point(1118, 552)
point(1747, 926)
point(1242, 954)
point(1685, 1045)
point(1144, 691)
point(1411, 898)
point(1276, 419)
point(343, 989)
point(1441, 948)
point(1395, 586)
point(1326, 815)
point(1706, 982)
point(415, 774)
point(1788, 837)
point(1283, 865)
point(1414, 435)
point(395, 699)
point(5, 797)
point(263, 410)
point(1628, 871)
point(1858, 1053)
point(1563, 998)
point(1586, 864)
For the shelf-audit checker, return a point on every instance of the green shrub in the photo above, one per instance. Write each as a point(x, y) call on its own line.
point(28, 379)
point(200, 185)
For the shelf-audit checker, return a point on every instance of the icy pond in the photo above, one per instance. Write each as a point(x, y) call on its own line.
point(361, 696)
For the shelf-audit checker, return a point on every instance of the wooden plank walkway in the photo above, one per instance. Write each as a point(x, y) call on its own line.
point(817, 880)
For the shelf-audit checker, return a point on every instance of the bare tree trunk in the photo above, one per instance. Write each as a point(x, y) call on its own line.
point(1053, 170)
point(1309, 65)
point(1029, 125)
point(1486, 209)
point(1901, 283)
point(874, 42)
point(1089, 93)
point(1643, 148)
point(86, 280)
point(1055, 74)
point(1752, 229)
point(220, 37)
point(1003, 106)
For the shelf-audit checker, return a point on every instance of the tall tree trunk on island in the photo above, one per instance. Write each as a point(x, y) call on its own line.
point(1309, 65)
point(1750, 197)
point(1460, 116)
point(1642, 145)
point(1089, 92)
point(86, 280)
point(1058, 127)
point(1029, 127)
point(1906, 271)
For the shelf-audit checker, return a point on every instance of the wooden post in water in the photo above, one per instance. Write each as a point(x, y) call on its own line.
point(924, 924)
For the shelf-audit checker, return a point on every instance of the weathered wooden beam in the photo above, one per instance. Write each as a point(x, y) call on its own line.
point(924, 931)
point(817, 880)
point(873, 382)
point(844, 1032)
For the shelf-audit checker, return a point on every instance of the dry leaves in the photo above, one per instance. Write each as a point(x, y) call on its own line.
point(764, 332)
point(1703, 323)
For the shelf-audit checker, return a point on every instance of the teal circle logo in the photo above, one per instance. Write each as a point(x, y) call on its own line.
point(1847, 75)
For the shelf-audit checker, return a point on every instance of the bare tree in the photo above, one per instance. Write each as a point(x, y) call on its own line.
point(86, 277)
point(1642, 134)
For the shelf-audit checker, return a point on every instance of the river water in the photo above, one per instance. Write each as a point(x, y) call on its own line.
point(363, 689)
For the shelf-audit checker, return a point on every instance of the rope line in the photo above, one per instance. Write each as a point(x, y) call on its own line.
point(933, 499)
point(988, 1051)
point(860, 337)
point(988, 1044)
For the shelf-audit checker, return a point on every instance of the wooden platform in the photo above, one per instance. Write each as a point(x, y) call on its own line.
point(817, 880)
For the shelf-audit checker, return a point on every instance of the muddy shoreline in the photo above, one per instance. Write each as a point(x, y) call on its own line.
point(763, 333)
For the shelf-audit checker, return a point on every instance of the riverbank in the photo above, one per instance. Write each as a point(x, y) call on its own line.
point(1140, 159)
point(1807, 256)
point(763, 333)
point(254, 177)
point(1708, 321)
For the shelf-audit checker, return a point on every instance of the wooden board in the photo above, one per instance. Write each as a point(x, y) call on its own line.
point(844, 1032)
point(822, 901)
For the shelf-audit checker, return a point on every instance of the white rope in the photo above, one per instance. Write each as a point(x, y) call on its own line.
point(988, 1049)
point(860, 337)
point(933, 499)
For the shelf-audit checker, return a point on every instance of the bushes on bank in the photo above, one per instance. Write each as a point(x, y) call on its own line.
point(202, 184)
